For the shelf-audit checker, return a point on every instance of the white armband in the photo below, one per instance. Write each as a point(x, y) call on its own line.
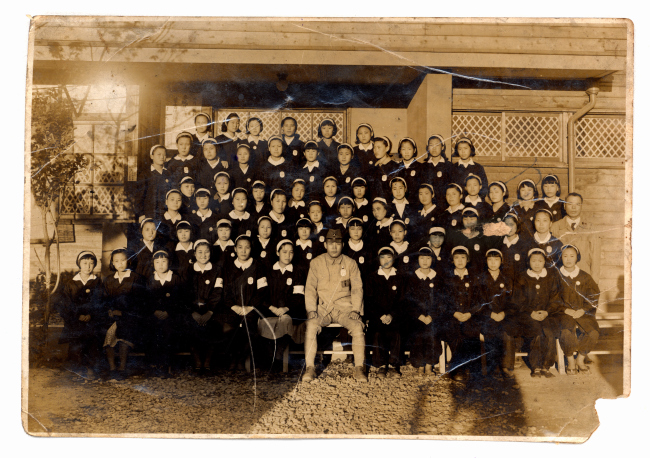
point(261, 282)
point(299, 289)
point(218, 283)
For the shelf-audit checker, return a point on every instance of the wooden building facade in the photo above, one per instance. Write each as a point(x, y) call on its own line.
point(512, 86)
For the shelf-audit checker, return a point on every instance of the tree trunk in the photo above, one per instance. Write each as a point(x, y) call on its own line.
point(48, 272)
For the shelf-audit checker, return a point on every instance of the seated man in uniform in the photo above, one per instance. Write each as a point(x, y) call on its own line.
point(334, 294)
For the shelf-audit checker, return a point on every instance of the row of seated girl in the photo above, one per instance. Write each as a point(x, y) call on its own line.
point(240, 302)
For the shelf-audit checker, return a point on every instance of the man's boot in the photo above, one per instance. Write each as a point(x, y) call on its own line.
point(359, 375)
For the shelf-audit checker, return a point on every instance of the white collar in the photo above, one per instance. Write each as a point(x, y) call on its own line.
point(288, 140)
point(536, 275)
point(392, 272)
point(459, 207)
point(295, 204)
point(552, 201)
point(467, 163)
point(538, 240)
point(407, 165)
point(573, 221)
point(404, 202)
point(154, 169)
point(400, 248)
point(304, 244)
point(275, 218)
point(204, 216)
point(339, 220)
point(173, 220)
point(230, 135)
point(289, 267)
point(148, 244)
point(233, 215)
point(313, 166)
point(329, 199)
point(571, 275)
point(215, 164)
point(207, 267)
point(509, 243)
point(244, 265)
point(167, 277)
point(127, 274)
point(318, 226)
point(440, 159)
point(474, 201)
point(461, 273)
point(241, 167)
point(224, 197)
point(430, 276)
point(222, 245)
point(90, 277)
point(253, 139)
point(363, 202)
point(178, 157)
point(355, 246)
point(180, 247)
point(424, 212)
point(388, 222)
point(275, 161)
point(264, 243)
point(204, 135)
point(366, 148)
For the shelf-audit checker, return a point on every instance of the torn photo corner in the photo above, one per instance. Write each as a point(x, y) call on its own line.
point(283, 227)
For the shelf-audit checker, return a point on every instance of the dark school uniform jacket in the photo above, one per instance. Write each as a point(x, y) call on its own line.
point(494, 294)
point(461, 171)
point(241, 179)
point(328, 153)
point(259, 150)
point(421, 221)
point(537, 292)
point(144, 256)
point(286, 289)
point(413, 173)
point(74, 299)
point(344, 179)
point(263, 253)
point(378, 235)
point(483, 208)
point(497, 216)
point(294, 152)
point(303, 253)
point(407, 256)
point(363, 210)
point(168, 296)
point(362, 255)
point(187, 205)
point(555, 206)
point(180, 167)
point(578, 291)
point(363, 158)
point(126, 297)
point(526, 217)
point(241, 225)
point(182, 258)
point(515, 256)
point(149, 198)
point(318, 237)
point(477, 246)
point(551, 246)
point(462, 294)
point(206, 172)
point(313, 178)
point(295, 211)
point(439, 176)
point(281, 227)
point(255, 213)
point(330, 211)
point(204, 223)
point(276, 175)
point(452, 220)
point(222, 205)
point(425, 294)
point(384, 296)
point(222, 252)
point(379, 177)
point(205, 289)
point(245, 285)
point(407, 215)
point(227, 149)
point(167, 228)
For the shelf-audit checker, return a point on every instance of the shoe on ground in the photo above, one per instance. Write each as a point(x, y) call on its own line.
point(536, 373)
point(381, 373)
point(420, 371)
point(428, 370)
point(508, 373)
point(309, 375)
point(359, 374)
point(394, 372)
point(546, 373)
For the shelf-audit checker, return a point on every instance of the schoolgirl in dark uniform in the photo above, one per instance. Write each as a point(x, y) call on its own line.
point(258, 147)
point(498, 194)
point(439, 170)
point(258, 204)
point(313, 170)
point(526, 205)
point(401, 208)
point(182, 256)
point(439, 249)
point(579, 331)
point(472, 199)
point(363, 151)
point(124, 294)
point(304, 250)
point(276, 169)
point(362, 206)
point(551, 201)
point(495, 294)
point(542, 238)
point(164, 305)
point(345, 210)
point(451, 218)
point(536, 295)
point(514, 248)
point(223, 248)
point(262, 246)
point(410, 169)
point(461, 323)
point(203, 126)
point(471, 237)
point(464, 149)
point(150, 191)
point(357, 246)
point(426, 217)
point(379, 231)
point(205, 294)
point(187, 189)
point(184, 163)
point(319, 229)
point(282, 227)
point(245, 287)
point(292, 146)
point(243, 173)
point(327, 130)
point(424, 296)
point(80, 304)
point(297, 207)
point(344, 170)
point(383, 168)
point(167, 227)
point(284, 304)
point(146, 247)
point(403, 250)
point(209, 165)
point(203, 219)
point(329, 200)
point(242, 221)
point(384, 295)
point(229, 138)
point(221, 200)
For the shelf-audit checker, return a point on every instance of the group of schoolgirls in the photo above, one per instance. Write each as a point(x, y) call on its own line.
point(230, 224)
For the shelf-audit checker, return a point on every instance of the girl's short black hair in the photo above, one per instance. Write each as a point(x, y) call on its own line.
point(289, 117)
point(201, 242)
point(327, 122)
point(455, 186)
point(514, 217)
point(552, 179)
point(578, 257)
point(86, 255)
point(254, 119)
point(413, 144)
point(464, 140)
point(386, 141)
point(503, 187)
point(367, 126)
point(224, 124)
point(111, 267)
point(442, 142)
point(530, 184)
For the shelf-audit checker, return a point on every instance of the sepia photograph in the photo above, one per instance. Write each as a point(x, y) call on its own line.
point(326, 227)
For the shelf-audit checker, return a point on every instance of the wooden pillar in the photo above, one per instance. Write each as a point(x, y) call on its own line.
point(430, 112)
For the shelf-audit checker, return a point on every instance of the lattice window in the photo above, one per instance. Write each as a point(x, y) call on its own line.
point(533, 135)
point(600, 137)
point(483, 128)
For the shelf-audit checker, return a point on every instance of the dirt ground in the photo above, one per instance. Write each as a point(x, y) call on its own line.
point(63, 403)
